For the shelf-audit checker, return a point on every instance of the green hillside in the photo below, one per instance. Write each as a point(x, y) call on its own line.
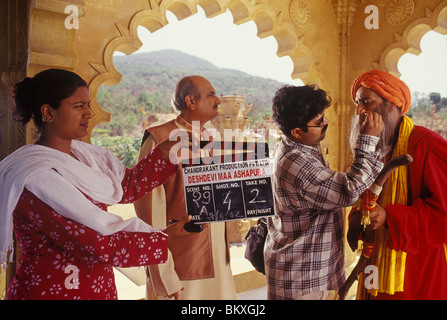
point(147, 86)
point(149, 80)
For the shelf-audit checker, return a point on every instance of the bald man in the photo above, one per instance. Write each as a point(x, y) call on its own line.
point(411, 218)
point(198, 266)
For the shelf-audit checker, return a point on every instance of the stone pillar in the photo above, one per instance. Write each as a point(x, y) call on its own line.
point(233, 116)
point(13, 68)
point(13, 61)
point(344, 11)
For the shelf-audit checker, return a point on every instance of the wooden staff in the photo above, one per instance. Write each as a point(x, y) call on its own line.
point(359, 224)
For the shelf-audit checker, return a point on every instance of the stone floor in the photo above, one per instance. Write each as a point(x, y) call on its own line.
point(250, 284)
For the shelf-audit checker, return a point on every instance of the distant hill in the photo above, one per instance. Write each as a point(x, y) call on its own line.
point(149, 81)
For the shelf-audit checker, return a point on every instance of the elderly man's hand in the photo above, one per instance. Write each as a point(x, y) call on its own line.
point(377, 217)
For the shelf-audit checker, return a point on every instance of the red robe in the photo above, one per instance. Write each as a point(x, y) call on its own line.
point(50, 243)
point(420, 228)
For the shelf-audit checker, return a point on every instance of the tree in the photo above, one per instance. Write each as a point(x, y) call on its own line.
point(435, 99)
point(443, 103)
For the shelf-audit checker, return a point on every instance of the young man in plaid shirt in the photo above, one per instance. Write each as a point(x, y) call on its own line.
point(304, 248)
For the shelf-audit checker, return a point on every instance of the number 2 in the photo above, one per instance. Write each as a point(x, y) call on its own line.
point(254, 199)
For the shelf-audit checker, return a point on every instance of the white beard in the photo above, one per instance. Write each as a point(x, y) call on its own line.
point(385, 145)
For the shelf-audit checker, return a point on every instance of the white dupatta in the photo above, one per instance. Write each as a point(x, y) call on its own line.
point(61, 181)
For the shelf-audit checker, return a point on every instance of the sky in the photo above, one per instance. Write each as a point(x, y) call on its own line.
point(226, 45)
point(427, 72)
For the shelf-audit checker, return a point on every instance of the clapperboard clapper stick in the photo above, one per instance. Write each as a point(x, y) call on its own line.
point(240, 151)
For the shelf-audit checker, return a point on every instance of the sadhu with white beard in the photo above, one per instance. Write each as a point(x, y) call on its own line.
point(411, 216)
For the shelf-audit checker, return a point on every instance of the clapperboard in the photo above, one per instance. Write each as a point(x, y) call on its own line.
point(234, 186)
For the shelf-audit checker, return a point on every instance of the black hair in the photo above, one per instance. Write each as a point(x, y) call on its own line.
point(47, 87)
point(293, 107)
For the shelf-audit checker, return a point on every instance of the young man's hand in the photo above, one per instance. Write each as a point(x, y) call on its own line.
point(371, 123)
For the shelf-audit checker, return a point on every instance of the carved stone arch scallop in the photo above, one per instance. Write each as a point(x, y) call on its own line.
point(106, 27)
point(410, 40)
point(264, 21)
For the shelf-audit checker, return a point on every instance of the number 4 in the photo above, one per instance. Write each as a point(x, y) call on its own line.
point(228, 201)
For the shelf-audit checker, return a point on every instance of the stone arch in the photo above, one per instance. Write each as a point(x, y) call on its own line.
point(410, 40)
point(152, 16)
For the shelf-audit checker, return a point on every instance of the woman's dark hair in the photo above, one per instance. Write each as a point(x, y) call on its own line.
point(294, 107)
point(47, 87)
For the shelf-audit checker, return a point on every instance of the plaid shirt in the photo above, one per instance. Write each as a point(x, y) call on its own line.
point(304, 247)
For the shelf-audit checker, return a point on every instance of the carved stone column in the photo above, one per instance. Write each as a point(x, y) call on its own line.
point(345, 11)
point(13, 67)
point(13, 61)
point(233, 116)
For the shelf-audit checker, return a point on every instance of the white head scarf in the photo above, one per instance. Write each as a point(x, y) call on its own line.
point(62, 182)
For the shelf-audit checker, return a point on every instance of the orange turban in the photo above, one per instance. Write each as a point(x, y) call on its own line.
point(385, 85)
